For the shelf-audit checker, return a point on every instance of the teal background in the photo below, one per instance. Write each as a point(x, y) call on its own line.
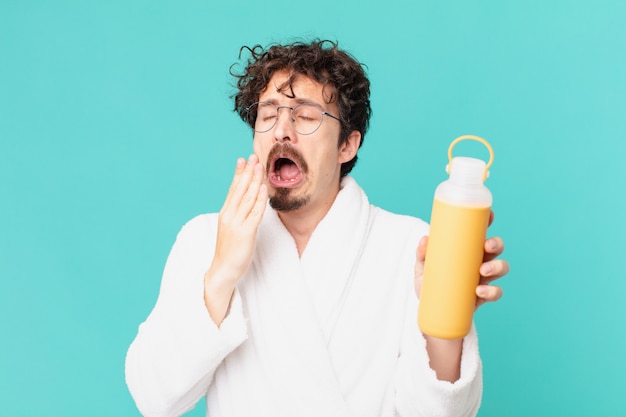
point(116, 128)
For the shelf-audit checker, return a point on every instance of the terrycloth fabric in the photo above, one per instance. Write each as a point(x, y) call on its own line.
point(330, 333)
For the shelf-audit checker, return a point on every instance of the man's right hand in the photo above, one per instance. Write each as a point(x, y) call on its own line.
point(238, 222)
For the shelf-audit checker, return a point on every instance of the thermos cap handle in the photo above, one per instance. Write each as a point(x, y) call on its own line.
point(471, 137)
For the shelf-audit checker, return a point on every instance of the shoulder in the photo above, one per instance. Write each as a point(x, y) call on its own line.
point(394, 223)
point(396, 233)
point(198, 229)
point(399, 224)
point(199, 222)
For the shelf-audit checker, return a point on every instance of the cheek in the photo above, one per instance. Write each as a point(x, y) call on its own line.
point(261, 151)
point(328, 162)
point(257, 145)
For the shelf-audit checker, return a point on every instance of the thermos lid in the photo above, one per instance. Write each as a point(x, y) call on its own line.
point(471, 170)
point(467, 170)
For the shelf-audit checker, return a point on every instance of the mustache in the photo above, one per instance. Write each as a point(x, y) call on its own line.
point(285, 150)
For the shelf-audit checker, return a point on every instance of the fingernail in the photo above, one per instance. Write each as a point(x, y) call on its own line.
point(486, 269)
point(481, 292)
point(240, 162)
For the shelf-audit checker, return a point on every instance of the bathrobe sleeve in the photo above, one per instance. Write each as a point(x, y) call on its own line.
point(418, 391)
point(171, 362)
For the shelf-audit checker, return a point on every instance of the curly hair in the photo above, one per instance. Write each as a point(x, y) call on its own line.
point(321, 61)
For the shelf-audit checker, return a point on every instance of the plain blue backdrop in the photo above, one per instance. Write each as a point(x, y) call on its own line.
point(116, 127)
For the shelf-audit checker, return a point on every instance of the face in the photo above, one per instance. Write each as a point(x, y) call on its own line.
point(302, 171)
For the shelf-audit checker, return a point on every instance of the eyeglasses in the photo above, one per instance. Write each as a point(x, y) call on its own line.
point(305, 118)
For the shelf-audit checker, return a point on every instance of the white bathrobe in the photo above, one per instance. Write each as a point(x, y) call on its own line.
point(330, 333)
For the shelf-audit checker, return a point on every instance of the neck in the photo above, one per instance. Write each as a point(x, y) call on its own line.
point(301, 223)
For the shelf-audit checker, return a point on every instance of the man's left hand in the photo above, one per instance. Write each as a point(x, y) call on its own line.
point(490, 270)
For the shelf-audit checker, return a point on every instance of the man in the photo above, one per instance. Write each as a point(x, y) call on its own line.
point(306, 305)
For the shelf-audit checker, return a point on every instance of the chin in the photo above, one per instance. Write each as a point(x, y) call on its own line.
point(283, 201)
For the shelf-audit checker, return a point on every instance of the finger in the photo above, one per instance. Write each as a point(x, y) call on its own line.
point(493, 270)
point(239, 168)
point(256, 213)
point(420, 256)
point(487, 294)
point(421, 248)
point(491, 217)
point(251, 195)
point(240, 184)
point(493, 248)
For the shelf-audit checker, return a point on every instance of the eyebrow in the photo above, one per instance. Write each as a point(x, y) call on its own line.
point(306, 101)
point(298, 101)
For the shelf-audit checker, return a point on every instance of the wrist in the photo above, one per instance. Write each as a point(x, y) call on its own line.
point(220, 276)
point(218, 291)
point(445, 357)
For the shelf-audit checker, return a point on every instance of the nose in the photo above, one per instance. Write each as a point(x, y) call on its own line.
point(284, 127)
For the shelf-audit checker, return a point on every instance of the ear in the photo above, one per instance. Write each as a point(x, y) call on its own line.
point(349, 148)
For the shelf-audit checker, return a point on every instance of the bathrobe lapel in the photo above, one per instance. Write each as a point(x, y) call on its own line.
point(293, 304)
point(333, 253)
point(285, 331)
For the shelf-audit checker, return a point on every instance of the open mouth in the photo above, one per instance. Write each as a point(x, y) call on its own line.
point(284, 172)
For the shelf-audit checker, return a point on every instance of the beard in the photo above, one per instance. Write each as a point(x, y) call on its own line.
point(283, 201)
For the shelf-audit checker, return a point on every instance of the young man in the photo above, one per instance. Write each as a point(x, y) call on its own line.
point(305, 305)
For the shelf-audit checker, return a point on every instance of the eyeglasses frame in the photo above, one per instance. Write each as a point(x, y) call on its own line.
point(324, 113)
